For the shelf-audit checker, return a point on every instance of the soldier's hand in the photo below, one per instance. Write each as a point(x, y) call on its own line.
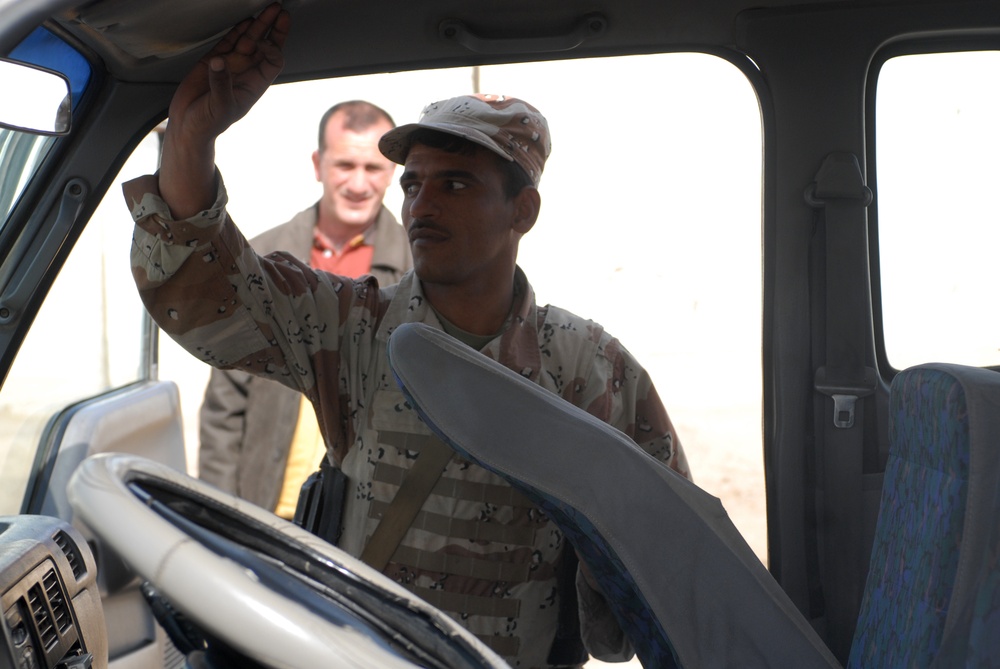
point(220, 90)
point(229, 80)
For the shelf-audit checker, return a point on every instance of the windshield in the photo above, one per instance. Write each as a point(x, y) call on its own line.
point(20, 155)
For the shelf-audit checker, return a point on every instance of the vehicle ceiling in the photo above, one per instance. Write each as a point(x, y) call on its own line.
point(156, 40)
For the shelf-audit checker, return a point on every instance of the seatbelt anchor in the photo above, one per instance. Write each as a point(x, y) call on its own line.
point(838, 178)
point(845, 394)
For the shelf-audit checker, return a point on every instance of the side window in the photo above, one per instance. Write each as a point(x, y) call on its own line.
point(91, 311)
point(937, 141)
point(650, 225)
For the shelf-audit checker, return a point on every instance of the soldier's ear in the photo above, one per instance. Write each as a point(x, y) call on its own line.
point(527, 204)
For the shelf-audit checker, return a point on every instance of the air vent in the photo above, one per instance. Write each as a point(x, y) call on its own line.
point(57, 602)
point(49, 609)
point(47, 634)
point(72, 553)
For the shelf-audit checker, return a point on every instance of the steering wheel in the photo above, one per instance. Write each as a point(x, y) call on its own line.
point(262, 587)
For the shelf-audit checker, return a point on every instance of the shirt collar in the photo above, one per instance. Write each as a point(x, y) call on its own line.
point(409, 305)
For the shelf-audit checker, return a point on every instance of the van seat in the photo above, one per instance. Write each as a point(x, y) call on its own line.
point(682, 582)
point(939, 506)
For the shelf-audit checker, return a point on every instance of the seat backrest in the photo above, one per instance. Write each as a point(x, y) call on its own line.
point(936, 517)
point(684, 586)
point(974, 638)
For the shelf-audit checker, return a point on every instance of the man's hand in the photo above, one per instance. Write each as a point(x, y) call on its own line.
point(226, 83)
point(219, 91)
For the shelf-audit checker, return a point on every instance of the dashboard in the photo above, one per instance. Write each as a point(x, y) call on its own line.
point(52, 612)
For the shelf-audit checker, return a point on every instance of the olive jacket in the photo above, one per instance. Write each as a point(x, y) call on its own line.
point(246, 423)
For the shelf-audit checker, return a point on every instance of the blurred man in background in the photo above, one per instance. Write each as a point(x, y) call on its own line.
point(259, 440)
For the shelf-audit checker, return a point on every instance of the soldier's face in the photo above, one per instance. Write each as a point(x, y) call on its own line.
point(462, 227)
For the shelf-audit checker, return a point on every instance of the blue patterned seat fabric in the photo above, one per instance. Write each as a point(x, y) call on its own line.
point(932, 529)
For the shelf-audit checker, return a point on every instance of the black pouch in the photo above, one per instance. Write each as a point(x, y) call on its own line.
point(321, 502)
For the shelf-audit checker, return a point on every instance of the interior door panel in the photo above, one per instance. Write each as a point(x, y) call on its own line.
point(143, 419)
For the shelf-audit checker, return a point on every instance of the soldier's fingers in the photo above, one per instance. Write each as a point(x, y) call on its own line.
point(260, 26)
point(256, 34)
point(229, 40)
point(279, 29)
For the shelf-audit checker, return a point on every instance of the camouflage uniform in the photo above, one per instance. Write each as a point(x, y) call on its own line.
point(477, 549)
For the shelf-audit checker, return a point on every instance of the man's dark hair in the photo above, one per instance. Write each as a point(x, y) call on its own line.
point(514, 176)
point(359, 115)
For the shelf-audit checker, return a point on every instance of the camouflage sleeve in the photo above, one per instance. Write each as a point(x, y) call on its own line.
point(632, 405)
point(205, 286)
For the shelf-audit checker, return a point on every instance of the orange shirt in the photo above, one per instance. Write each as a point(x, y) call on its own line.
point(353, 260)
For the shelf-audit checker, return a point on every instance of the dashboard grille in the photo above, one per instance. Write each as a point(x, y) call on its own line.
point(57, 601)
point(49, 609)
point(72, 553)
point(43, 618)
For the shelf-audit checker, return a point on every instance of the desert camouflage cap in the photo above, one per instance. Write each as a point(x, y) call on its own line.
point(507, 126)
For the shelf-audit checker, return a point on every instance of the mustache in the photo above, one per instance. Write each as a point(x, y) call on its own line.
point(420, 224)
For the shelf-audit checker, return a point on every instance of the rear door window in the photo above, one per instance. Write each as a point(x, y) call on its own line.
point(937, 142)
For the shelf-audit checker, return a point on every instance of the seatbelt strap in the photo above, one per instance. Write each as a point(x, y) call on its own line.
point(840, 192)
point(404, 507)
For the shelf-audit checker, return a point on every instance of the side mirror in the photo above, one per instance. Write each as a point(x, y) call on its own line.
point(33, 99)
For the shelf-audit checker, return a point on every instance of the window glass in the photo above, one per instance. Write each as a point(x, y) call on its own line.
point(937, 142)
point(650, 225)
point(21, 155)
point(85, 340)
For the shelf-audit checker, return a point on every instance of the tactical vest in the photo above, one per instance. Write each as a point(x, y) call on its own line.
point(477, 549)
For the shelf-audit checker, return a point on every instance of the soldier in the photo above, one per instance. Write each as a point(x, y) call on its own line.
point(471, 169)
